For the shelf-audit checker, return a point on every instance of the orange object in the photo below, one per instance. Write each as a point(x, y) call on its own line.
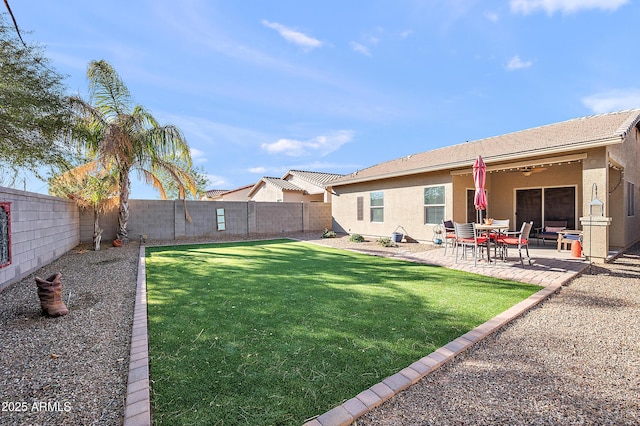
point(576, 249)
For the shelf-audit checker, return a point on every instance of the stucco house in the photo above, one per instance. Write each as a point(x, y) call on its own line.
point(294, 186)
point(553, 172)
point(237, 194)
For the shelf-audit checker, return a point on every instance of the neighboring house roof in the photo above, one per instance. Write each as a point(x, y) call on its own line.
point(317, 178)
point(279, 183)
point(213, 193)
point(578, 133)
point(231, 191)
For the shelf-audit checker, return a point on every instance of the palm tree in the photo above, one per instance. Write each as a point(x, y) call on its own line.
point(90, 186)
point(125, 137)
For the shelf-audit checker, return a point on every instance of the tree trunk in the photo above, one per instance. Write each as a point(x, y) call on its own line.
point(97, 232)
point(123, 213)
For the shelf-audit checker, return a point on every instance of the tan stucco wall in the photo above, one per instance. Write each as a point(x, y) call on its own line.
point(624, 230)
point(502, 188)
point(403, 206)
point(403, 196)
point(293, 197)
point(267, 192)
point(241, 195)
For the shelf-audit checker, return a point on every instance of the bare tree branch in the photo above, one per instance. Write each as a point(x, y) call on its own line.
point(15, 24)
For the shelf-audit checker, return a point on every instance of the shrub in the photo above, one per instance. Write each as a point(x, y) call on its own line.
point(386, 242)
point(328, 234)
point(356, 238)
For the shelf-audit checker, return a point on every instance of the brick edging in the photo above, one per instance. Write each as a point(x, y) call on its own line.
point(137, 411)
point(346, 413)
point(138, 402)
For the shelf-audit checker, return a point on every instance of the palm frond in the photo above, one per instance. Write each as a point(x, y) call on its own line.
point(112, 97)
point(151, 179)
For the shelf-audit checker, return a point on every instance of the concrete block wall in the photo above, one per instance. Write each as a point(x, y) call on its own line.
point(43, 228)
point(165, 219)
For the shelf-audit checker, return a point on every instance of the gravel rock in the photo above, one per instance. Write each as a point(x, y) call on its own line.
point(70, 370)
point(572, 360)
point(575, 359)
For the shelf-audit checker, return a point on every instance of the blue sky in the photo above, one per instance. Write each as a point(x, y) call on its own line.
point(261, 87)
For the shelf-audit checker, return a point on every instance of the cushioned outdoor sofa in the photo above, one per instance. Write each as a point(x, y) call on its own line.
point(550, 230)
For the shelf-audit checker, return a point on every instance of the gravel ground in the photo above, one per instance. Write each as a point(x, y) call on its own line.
point(70, 370)
point(575, 359)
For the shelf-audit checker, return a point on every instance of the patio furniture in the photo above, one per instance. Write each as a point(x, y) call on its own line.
point(550, 230)
point(467, 237)
point(449, 235)
point(518, 239)
point(498, 231)
point(492, 231)
point(567, 237)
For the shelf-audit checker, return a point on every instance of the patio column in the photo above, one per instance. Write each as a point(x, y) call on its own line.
point(595, 224)
point(595, 240)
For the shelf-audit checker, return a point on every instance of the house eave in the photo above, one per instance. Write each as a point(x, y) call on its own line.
point(489, 159)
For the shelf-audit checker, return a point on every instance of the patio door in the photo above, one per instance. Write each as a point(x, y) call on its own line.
point(541, 204)
point(529, 207)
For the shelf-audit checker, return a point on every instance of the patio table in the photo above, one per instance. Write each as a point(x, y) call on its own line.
point(488, 228)
point(563, 236)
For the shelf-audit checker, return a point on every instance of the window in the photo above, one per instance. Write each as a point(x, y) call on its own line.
point(360, 208)
point(220, 219)
point(5, 234)
point(434, 204)
point(631, 191)
point(377, 206)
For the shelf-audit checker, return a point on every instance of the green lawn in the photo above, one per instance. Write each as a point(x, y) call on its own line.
point(276, 332)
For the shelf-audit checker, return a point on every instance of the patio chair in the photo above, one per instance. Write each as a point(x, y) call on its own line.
point(449, 235)
point(467, 237)
point(494, 235)
point(518, 239)
point(550, 230)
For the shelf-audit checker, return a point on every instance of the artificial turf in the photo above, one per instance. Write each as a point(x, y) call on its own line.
point(276, 332)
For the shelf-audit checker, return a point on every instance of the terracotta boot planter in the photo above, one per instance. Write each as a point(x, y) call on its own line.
point(50, 294)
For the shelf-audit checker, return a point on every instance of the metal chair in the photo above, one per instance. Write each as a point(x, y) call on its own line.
point(518, 239)
point(467, 237)
point(449, 235)
point(494, 235)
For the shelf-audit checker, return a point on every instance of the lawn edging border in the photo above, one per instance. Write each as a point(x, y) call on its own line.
point(137, 411)
point(346, 413)
point(138, 400)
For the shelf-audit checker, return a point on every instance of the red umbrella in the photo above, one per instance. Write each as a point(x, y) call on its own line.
point(479, 175)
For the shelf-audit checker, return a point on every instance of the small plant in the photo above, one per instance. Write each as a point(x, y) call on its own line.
point(385, 242)
point(328, 234)
point(356, 238)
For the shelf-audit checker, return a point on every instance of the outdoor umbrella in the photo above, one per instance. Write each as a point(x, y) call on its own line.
point(479, 175)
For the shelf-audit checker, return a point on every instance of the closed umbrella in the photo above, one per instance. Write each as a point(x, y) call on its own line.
point(479, 175)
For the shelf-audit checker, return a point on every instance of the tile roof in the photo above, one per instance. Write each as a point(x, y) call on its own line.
point(575, 134)
point(282, 184)
point(215, 192)
point(316, 178)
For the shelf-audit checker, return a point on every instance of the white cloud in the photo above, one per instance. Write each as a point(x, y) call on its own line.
point(516, 63)
point(293, 36)
point(613, 100)
point(320, 145)
point(492, 16)
point(405, 34)
point(259, 170)
point(357, 47)
point(565, 6)
point(198, 156)
point(217, 182)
